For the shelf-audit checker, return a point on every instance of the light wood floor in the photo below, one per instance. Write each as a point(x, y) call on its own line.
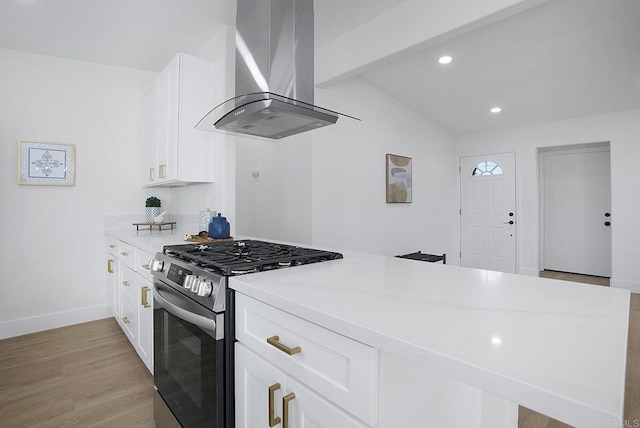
point(88, 375)
point(575, 277)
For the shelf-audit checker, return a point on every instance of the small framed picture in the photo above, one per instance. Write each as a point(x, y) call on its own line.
point(398, 179)
point(46, 163)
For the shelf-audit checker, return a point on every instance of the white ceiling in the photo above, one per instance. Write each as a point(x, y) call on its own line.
point(565, 58)
point(141, 34)
point(146, 34)
point(562, 59)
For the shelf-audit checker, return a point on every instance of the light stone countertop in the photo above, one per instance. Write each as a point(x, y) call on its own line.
point(553, 346)
point(150, 241)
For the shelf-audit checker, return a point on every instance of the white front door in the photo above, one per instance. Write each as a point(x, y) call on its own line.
point(577, 211)
point(487, 212)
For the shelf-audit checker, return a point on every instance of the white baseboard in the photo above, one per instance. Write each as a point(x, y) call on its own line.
point(529, 272)
point(633, 286)
point(54, 320)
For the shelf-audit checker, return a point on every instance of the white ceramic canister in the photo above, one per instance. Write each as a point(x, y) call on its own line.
point(205, 219)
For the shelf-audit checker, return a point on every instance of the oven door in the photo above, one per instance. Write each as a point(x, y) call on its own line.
point(188, 360)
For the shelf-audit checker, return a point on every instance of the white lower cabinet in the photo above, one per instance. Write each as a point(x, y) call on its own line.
point(268, 397)
point(129, 295)
point(144, 344)
point(128, 320)
point(113, 275)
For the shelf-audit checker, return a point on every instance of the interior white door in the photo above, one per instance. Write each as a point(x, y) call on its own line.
point(577, 208)
point(487, 212)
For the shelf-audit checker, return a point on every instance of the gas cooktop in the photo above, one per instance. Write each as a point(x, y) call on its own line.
point(246, 256)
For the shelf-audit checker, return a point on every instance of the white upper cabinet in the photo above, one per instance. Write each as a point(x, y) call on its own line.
point(174, 153)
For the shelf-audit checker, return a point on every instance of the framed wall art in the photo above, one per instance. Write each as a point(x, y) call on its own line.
point(398, 179)
point(46, 163)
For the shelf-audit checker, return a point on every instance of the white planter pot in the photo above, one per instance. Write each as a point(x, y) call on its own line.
point(151, 213)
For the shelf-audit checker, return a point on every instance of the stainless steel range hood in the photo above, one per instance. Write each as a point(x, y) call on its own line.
point(274, 73)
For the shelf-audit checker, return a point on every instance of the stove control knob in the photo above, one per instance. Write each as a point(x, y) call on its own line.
point(196, 285)
point(205, 289)
point(156, 265)
point(188, 281)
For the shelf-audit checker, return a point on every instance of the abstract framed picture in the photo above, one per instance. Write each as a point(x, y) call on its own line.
point(46, 163)
point(398, 179)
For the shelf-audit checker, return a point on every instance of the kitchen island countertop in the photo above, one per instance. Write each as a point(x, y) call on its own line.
point(553, 346)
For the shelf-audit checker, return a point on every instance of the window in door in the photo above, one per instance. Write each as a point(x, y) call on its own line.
point(486, 168)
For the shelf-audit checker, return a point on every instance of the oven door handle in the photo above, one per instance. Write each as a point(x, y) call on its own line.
point(197, 320)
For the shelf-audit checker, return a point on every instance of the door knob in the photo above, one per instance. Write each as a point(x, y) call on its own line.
point(607, 223)
point(607, 214)
point(510, 214)
point(508, 222)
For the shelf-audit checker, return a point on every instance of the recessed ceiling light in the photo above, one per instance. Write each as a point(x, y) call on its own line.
point(496, 110)
point(445, 59)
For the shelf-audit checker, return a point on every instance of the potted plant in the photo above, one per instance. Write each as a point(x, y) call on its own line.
point(153, 205)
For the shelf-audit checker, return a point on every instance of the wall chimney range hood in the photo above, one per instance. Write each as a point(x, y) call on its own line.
point(274, 73)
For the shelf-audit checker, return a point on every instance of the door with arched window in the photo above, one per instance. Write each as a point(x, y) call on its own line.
point(488, 212)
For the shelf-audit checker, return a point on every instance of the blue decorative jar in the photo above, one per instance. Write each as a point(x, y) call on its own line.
point(219, 228)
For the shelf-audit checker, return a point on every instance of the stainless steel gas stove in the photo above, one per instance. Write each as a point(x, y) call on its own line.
point(194, 324)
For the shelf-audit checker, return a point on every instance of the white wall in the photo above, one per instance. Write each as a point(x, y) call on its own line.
point(622, 130)
point(327, 187)
point(53, 245)
point(277, 203)
point(348, 163)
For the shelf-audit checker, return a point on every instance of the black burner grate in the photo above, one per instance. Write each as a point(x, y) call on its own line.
point(247, 256)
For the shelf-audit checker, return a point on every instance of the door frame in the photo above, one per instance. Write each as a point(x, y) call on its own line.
point(565, 149)
point(517, 206)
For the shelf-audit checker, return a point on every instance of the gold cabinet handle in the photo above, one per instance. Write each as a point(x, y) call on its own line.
point(162, 171)
point(285, 408)
point(112, 246)
point(125, 320)
point(273, 420)
point(274, 341)
point(145, 302)
point(126, 283)
point(147, 267)
point(124, 253)
point(110, 266)
point(152, 174)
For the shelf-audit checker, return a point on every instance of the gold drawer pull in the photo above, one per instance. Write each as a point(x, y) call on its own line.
point(124, 253)
point(273, 420)
point(147, 267)
point(274, 341)
point(285, 408)
point(125, 320)
point(110, 266)
point(126, 283)
point(112, 246)
point(145, 301)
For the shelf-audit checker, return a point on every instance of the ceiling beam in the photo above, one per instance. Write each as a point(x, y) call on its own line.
point(412, 26)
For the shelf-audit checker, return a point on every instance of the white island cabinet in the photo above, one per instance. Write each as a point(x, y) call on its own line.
point(174, 153)
point(388, 342)
point(286, 359)
point(306, 375)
